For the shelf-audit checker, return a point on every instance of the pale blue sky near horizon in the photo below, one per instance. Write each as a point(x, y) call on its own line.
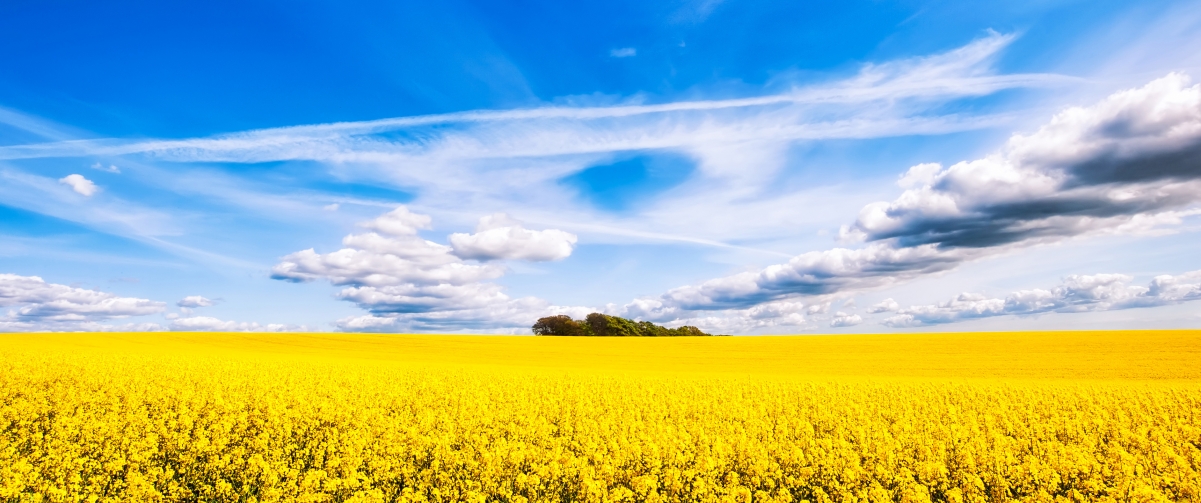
point(669, 161)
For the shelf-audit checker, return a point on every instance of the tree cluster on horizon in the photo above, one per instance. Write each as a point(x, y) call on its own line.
point(603, 325)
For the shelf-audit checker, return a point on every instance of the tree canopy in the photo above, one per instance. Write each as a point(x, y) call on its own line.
point(603, 325)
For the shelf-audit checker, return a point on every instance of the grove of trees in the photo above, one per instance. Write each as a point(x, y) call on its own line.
point(603, 325)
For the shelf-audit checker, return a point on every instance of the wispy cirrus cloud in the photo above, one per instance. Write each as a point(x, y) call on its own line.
point(493, 159)
point(624, 52)
point(558, 130)
point(60, 198)
point(964, 72)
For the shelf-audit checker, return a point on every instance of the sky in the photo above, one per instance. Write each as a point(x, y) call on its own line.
point(746, 167)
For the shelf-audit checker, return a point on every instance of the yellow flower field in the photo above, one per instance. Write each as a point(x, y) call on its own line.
point(1057, 416)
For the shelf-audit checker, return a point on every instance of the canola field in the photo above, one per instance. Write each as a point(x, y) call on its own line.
point(218, 417)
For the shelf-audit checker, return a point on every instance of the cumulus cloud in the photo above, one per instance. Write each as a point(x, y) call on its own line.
point(1127, 164)
point(821, 308)
point(810, 274)
point(1076, 293)
point(398, 222)
point(9, 325)
point(194, 301)
point(38, 305)
point(500, 237)
point(393, 255)
point(842, 319)
point(919, 175)
point(210, 324)
point(408, 283)
point(79, 184)
point(776, 316)
point(1136, 153)
point(885, 306)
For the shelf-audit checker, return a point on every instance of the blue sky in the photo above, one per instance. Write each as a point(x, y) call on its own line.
point(746, 167)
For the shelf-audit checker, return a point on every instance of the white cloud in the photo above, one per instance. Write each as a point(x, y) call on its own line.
point(8, 325)
point(112, 215)
point(495, 159)
point(1166, 289)
point(1090, 169)
point(821, 308)
point(392, 256)
point(1127, 164)
point(408, 283)
point(964, 306)
point(210, 324)
point(50, 301)
point(842, 319)
point(375, 260)
point(79, 184)
point(811, 274)
point(966, 71)
point(777, 316)
point(776, 310)
point(624, 52)
point(112, 168)
point(331, 207)
point(398, 222)
point(1076, 293)
point(885, 306)
point(919, 175)
point(503, 156)
point(194, 301)
point(695, 11)
point(38, 305)
point(513, 316)
point(415, 298)
point(499, 237)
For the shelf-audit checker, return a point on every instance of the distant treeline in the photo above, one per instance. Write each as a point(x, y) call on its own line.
point(603, 325)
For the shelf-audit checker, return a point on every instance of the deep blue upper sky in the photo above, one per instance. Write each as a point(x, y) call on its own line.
point(657, 200)
point(178, 69)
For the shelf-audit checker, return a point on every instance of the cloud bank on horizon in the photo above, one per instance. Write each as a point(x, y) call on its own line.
point(1129, 164)
point(780, 209)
